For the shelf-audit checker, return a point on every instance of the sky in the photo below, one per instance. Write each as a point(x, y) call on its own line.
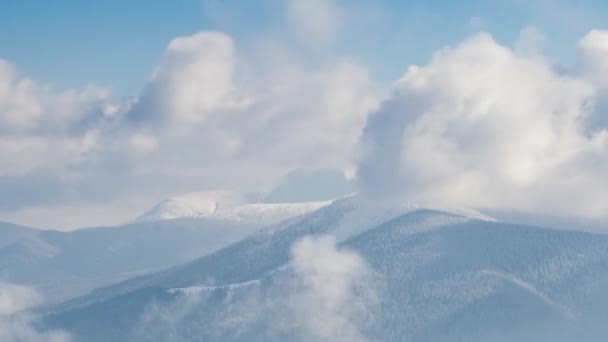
point(108, 107)
point(116, 44)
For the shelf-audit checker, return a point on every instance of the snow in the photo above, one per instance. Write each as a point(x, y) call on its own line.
point(439, 277)
point(226, 205)
point(365, 213)
point(194, 290)
point(195, 204)
point(567, 312)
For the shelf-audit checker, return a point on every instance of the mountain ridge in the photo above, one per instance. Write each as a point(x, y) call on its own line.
point(437, 266)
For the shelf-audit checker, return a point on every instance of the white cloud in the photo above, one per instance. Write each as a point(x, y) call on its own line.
point(211, 116)
point(217, 113)
point(41, 128)
point(315, 21)
point(483, 126)
point(593, 66)
point(27, 106)
point(325, 293)
point(143, 144)
point(15, 323)
point(334, 296)
point(194, 79)
point(593, 51)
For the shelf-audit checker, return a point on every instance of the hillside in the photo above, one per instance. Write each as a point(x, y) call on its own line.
point(436, 275)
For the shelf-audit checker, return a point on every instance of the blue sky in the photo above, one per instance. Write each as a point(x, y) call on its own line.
point(116, 44)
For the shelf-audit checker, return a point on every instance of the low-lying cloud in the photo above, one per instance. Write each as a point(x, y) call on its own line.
point(16, 324)
point(324, 293)
point(334, 295)
point(483, 125)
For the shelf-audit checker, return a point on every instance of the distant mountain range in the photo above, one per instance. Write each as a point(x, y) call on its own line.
point(63, 265)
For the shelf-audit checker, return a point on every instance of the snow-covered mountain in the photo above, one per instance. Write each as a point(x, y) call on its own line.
point(68, 264)
point(226, 205)
point(437, 276)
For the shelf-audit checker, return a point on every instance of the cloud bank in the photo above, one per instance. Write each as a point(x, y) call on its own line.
point(485, 126)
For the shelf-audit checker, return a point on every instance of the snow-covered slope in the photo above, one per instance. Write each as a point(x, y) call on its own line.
point(195, 204)
point(226, 205)
point(439, 277)
point(67, 264)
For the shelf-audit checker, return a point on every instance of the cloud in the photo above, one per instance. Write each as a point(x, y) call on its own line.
point(593, 50)
point(216, 111)
point(483, 126)
point(18, 325)
point(304, 185)
point(593, 66)
point(209, 112)
point(315, 21)
point(27, 106)
point(43, 128)
point(324, 293)
point(334, 295)
point(193, 80)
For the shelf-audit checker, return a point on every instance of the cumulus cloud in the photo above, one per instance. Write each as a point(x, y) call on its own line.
point(593, 66)
point(593, 51)
point(193, 80)
point(484, 126)
point(47, 139)
point(37, 122)
point(15, 323)
point(211, 116)
point(215, 115)
point(27, 106)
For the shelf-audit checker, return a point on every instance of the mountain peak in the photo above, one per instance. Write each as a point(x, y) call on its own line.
point(194, 204)
point(226, 205)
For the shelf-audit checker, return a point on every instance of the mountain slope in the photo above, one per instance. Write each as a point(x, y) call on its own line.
point(67, 264)
point(226, 205)
point(441, 277)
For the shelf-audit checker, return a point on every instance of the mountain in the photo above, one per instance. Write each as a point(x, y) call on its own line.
point(195, 204)
point(437, 276)
point(227, 205)
point(68, 264)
